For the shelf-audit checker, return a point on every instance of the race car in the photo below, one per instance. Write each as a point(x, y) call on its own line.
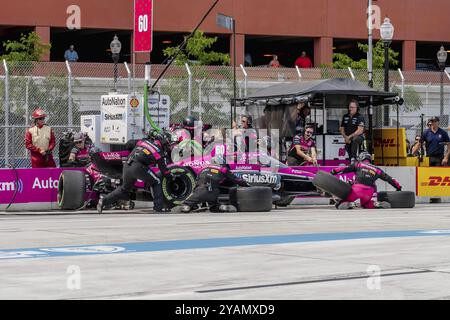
point(81, 188)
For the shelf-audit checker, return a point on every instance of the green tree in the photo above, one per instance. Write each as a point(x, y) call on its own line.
point(197, 51)
point(28, 48)
point(218, 80)
point(343, 61)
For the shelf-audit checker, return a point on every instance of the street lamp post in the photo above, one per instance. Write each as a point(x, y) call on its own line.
point(387, 33)
point(115, 46)
point(442, 59)
point(230, 24)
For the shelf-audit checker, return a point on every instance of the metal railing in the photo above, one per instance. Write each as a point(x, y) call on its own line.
point(68, 90)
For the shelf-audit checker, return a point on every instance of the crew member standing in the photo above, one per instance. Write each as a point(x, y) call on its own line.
point(352, 129)
point(435, 139)
point(303, 111)
point(40, 140)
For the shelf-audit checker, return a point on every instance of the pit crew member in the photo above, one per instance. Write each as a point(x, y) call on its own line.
point(146, 154)
point(364, 188)
point(208, 187)
point(303, 149)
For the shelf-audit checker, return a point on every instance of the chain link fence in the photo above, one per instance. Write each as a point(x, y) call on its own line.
point(67, 91)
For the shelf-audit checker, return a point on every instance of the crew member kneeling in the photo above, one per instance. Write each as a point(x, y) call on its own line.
point(364, 188)
point(208, 187)
point(146, 154)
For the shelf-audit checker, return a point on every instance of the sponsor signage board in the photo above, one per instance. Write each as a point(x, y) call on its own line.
point(31, 185)
point(160, 112)
point(385, 143)
point(121, 118)
point(143, 26)
point(433, 181)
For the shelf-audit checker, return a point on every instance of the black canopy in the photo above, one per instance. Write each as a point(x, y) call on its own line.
point(315, 91)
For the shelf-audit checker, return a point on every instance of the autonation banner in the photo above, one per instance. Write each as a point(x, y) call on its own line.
point(29, 185)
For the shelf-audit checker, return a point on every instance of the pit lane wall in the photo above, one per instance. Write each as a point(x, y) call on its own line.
point(29, 189)
point(37, 189)
point(426, 182)
point(34, 190)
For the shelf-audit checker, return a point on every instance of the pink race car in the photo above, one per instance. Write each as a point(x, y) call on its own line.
point(80, 188)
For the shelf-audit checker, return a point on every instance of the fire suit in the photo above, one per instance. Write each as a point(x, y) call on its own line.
point(208, 186)
point(364, 188)
point(38, 139)
point(146, 154)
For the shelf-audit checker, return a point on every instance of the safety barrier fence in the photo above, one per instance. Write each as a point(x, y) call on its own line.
point(37, 189)
point(68, 90)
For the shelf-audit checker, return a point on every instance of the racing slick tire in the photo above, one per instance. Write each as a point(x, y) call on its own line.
point(398, 199)
point(251, 199)
point(332, 185)
point(284, 201)
point(71, 189)
point(179, 189)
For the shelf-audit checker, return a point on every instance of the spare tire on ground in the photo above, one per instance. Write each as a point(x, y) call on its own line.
point(398, 199)
point(332, 185)
point(179, 189)
point(251, 199)
point(71, 190)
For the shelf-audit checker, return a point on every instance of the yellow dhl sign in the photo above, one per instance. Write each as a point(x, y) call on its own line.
point(386, 145)
point(433, 182)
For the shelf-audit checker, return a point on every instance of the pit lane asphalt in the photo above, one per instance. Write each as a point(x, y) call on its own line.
point(302, 252)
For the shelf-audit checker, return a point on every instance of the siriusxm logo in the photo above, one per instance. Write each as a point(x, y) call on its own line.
point(117, 116)
point(11, 186)
point(260, 178)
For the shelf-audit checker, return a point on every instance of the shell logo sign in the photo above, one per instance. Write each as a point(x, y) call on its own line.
point(134, 103)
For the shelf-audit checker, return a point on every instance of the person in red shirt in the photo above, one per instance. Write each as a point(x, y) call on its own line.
point(303, 61)
point(274, 63)
point(40, 140)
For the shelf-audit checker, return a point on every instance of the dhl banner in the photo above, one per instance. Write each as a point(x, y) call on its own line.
point(385, 143)
point(433, 182)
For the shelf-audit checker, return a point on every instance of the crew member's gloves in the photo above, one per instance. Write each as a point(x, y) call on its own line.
point(397, 185)
point(333, 172)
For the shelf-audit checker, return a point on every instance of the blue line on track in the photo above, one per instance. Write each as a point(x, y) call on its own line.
point(96, 249)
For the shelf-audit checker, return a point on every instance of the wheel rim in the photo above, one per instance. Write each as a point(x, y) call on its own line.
point(60, 197)
point(179, 188)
